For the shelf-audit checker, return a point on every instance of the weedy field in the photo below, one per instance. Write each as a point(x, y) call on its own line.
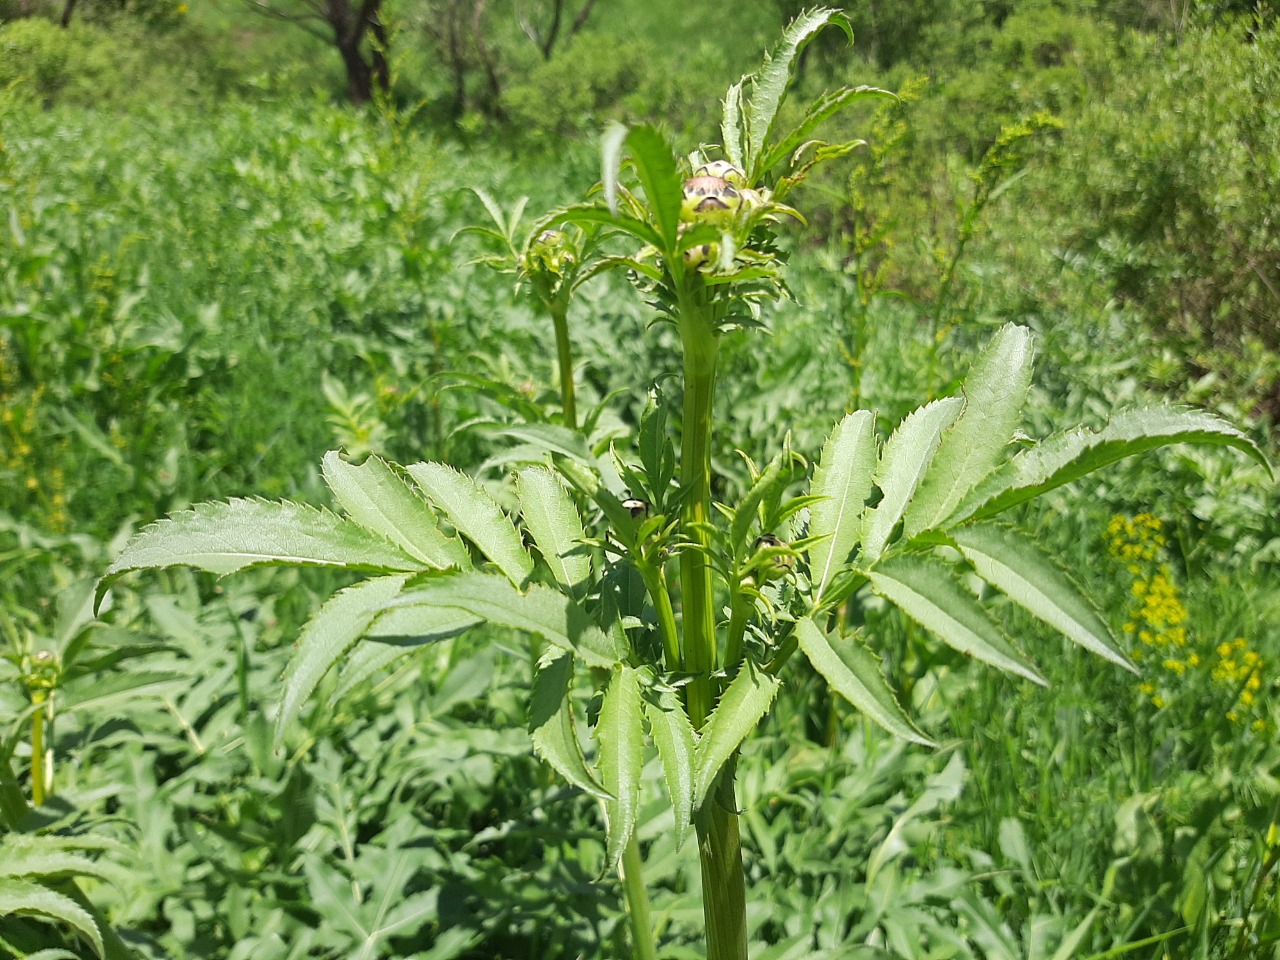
point(1044, 286)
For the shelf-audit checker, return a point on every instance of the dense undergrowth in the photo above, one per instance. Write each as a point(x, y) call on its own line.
point(199, 304)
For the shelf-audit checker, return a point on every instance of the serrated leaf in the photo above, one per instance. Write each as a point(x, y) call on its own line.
point(553, 521)
point(25, 898)
point(826, 106)
point(769, 84)
point(843, 481)
point(551, 723)
point(731, 125)
point(38, 862)
point(660, 177)
point(223, 538)
point(611, 162)
point(620, 733)
point(994, 393)
point(673, 736)
point(854, 673)
point(1016, 566)
point(396, 633)
point(742, 705)
point(926, 591)
point(906, 457)
point(1072, 454)
point(334, 630)
point(102, 693)
point(476, 516)
point(744, 514)
point(540, 610)
point(593, 216)
point(376, 498)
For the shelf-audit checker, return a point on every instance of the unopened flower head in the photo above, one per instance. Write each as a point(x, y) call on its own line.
point(709, 200)
point(724, 170)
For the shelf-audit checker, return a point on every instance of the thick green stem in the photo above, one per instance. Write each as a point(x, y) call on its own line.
point(37, 749)
point(642, 945)
point(700, 348)
point(724, 903)
point(564, 355)
point(724, 895)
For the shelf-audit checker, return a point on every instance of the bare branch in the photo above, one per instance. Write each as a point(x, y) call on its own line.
point(580, 20)
point(300, 20)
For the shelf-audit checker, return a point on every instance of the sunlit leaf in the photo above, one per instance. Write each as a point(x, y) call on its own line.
point(673, 736)
point(25, 898)
point(553, 521)
point(335, 628)
point(1072, 454)
point(620, 733)
point(905, 459)
point(742, 705)
point(1009, 561)
point(994, 393)
point(854, 673)
point(926, 591)
point(476, 516)
point(843, 481)
point(374, 497)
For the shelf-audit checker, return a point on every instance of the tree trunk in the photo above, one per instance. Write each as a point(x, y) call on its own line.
point(359, 74)
point(68, 10)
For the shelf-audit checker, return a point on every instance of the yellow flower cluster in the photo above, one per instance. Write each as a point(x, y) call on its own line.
point(1158, 621)
point(1158, 618)
point(1240, 668)
point(21, 449)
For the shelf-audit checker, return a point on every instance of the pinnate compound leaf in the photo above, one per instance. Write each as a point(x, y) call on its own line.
point(826, 106)
point(656, 167)
point(555, 525)
point(843, 481)
point(327, 636)
point(673, 736)
point(1072, 454)
point(854, 673)
point(905, 459)
point(539, 610)
point(223, 538)
point(994, 393)
point(476, 516)
point(26, 898)
point(551, 725)
point(926, 591)
point(769, 84)
point(1015, 565)
point(742, 705)
point(374, 497)
point(620, 733)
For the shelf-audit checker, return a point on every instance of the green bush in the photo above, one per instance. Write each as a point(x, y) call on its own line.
point(34, 56)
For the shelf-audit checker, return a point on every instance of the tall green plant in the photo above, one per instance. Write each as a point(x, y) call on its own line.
point(685, 610)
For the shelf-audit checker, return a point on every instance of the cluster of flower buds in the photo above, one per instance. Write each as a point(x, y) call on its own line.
point(550, 252)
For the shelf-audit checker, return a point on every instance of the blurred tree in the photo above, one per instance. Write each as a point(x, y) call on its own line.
point(546, 36)
point(355, 29)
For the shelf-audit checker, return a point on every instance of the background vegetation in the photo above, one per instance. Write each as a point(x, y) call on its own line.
point(213, 268)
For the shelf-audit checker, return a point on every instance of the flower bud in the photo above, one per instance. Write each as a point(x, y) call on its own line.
point(724, 170)
point(709, 200)
point(550, 251)
point(701, 255)
point(637, 508)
